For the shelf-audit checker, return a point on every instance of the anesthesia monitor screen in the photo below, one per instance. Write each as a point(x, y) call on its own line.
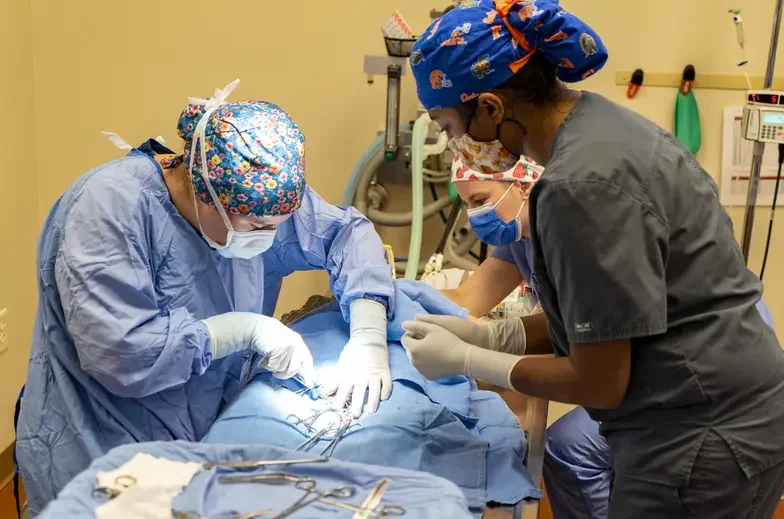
point(773, 118)
point(765, 98)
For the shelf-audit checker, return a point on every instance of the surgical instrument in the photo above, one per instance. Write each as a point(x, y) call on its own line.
point(306, 388)
point(192, 515)
point(262, 463)
point(268, 479)
point(374, 498)
point(282, 478)
point(311, 420)
point(315, 390)
point(330, 448)
point(122, 482)
point(309, 487)
point(315, 438)
point(337, 427)
point(384, 511)
point(307, 422)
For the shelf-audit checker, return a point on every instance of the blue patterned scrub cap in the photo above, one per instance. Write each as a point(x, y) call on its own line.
point(255, 157)
point(481, 43)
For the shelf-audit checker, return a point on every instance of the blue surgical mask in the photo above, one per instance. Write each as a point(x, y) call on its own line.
point(490, 228)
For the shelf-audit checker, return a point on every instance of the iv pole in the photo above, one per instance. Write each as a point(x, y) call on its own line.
point(759, 147)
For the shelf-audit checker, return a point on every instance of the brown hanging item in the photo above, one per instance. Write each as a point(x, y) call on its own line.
point(688, 79)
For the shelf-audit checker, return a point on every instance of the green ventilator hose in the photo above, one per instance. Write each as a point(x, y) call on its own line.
point(417, 194)
point(453, 194)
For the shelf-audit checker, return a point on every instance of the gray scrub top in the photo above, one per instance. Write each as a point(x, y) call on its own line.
point(630, 241)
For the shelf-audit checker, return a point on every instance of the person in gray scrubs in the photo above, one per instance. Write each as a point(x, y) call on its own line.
point(577, 459)
point(650, 309)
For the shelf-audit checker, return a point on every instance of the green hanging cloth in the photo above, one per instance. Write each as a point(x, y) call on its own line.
point(687, 115)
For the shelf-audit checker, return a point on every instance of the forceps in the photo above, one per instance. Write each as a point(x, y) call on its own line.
point(281, 478)
point(308, 389)
point(269, 479)
point(309, 487)
point(256, 464)
point(310, 421)
point(316, 390)
point(366, 509)
point(336, 437)
point(110, 493)
point(314, 439)
point(192, 515)
point(384, 511)
point(373, 499)
point(307, 422)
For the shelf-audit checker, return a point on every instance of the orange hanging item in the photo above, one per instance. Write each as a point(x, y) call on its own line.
point(635, 83)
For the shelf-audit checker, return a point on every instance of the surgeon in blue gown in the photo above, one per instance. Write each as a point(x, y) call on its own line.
point(152, 272)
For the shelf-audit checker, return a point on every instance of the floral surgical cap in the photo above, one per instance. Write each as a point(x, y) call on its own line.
point(481, 43)
point(525, 170)
point(255, 157)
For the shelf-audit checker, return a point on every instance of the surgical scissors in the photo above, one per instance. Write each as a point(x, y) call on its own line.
point(310, 421)
point(365, 511)
point(314, 439)
point(307, 422)
point(337, 427)
point(309, 487)
point(121, 481)
point(330, 448)
point(282, 478)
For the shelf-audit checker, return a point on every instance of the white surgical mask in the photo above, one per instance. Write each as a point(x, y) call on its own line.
point(244, 245)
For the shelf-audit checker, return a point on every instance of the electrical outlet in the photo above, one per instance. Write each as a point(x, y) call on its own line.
point(3, 330)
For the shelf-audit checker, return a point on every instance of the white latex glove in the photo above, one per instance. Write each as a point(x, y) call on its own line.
point(285, 353)
point(504, 335)
point(363, 366)
point(437, 353)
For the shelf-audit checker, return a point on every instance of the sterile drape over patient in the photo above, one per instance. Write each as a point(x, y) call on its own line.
point(120, 352)
point(447, 428)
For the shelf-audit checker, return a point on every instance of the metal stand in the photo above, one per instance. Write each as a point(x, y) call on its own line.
point(759, 147)
point(393, 110)
point(536, 426)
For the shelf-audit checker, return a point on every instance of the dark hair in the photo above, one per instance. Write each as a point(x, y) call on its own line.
point(448, 8)
point(536, 83)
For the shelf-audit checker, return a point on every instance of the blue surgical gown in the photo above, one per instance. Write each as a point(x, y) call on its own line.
point(119, 354)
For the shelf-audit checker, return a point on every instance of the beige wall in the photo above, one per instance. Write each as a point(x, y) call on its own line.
point(666, 36)
point(129, 68)
point(19, 222)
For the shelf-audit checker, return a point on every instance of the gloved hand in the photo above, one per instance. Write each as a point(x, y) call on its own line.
point(364, 363)
point(285, 353)
point(437, 353)
point(504, 335)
